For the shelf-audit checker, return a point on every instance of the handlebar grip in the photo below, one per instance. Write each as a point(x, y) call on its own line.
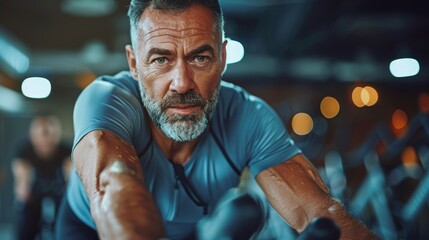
point(321, 228)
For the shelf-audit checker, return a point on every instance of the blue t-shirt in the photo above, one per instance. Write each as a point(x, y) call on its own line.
point(243, 128)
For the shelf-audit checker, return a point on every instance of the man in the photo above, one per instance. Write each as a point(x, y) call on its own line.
point(156, 148)
point(40, 170)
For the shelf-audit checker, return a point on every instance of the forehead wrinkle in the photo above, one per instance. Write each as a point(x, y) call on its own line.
point(169, 35)
point(176, 33)
point(196, 20)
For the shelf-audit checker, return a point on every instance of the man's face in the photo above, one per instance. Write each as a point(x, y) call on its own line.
point(178, 61)
point(45, 135)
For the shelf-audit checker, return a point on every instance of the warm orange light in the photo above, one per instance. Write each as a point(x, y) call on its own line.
point(372, 96)
point(424, 102)
point(357, 97)
point(302, 124)
point(8, 82)
point(85, 78)
point(409, 157)
point(329, 107)
point(364, 96)
point(399, 119)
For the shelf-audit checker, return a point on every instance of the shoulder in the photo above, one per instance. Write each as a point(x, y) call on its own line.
point(239, 113)
point(230, 91)
point(111, 103)
point(106, 84)
point(234, 101)
point(122, 80)
point(110, 93)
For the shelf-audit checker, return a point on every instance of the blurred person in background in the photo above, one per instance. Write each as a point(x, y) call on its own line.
point(40, 170)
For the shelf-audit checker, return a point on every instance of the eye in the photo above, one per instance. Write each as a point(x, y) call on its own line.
point(201, 59)
point(160, 61)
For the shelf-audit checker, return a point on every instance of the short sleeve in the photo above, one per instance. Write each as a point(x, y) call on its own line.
point(269, 143)
point(105, 106)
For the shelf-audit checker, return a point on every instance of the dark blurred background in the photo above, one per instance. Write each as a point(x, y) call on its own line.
point(296, 53)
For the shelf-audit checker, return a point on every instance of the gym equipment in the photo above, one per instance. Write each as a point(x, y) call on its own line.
point(390, 220)
point(373, 192)
point(238, 216)
point(321, 229)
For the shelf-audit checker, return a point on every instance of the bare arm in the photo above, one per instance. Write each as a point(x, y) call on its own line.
point(22, 171)
point(298, 194)
point(121, 205)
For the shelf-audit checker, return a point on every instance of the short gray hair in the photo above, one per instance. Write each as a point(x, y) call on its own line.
point(137, 8)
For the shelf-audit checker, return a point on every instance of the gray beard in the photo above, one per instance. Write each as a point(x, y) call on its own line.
point(178, 127)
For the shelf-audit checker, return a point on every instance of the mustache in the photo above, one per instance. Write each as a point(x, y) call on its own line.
point(188, 98)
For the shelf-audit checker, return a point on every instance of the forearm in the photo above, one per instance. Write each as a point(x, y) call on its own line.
point(298, 210)
point(118, 208)
point(121, 205)
point(350, 227)
point(22, 171)
point(298, 194)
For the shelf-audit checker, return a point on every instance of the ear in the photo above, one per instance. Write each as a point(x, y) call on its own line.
point(224, 56)
point(132, 62)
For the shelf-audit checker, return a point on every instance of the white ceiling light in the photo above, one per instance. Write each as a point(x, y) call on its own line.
point(36, 87)
point(89, 8)
point(404, 67)
point(11, 101)
point(12, 54)
point(234, 51)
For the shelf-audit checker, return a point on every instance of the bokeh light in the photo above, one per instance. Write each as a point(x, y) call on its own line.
point(12, 56)
point(302, 124)
point(36, 87)
point(364, 96)
point(409, 157)
point(424, 102)
point(329, 107)
point(356, 97)
point(404, 67)
point(372, 95)
point(399, 119)
point(234, 51)
point(85, 78)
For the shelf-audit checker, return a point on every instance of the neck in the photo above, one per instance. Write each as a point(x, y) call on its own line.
point(44, 153)
point(177, 152)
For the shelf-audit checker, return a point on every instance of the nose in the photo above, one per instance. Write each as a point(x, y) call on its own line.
point(182, 78)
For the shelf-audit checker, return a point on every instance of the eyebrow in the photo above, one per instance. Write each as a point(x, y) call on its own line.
point(158, 51)
point(201, 49)
point(165, 52)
